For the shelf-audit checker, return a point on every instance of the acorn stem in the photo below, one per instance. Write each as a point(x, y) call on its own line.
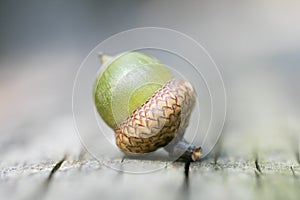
point(104, 57)
point(191, 152)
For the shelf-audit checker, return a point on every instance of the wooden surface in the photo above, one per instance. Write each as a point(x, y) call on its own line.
point(41, 156)
point(224, 177)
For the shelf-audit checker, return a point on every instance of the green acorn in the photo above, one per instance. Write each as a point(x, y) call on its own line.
point(136, 95)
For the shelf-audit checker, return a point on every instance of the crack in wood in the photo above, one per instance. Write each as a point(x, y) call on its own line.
point(293, 172)
point(55, 168)
point(187, 168)
point(257, 166)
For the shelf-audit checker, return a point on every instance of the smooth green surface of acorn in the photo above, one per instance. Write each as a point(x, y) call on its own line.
point(125, 82)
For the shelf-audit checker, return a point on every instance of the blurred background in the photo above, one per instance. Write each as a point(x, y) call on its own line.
point(256, 45)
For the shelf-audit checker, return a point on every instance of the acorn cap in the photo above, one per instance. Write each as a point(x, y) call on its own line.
point(126, 82)
point(158, 121)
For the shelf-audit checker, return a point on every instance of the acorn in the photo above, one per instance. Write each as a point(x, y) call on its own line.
point(137, 96)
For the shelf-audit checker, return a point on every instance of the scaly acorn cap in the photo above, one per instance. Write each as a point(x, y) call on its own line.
point(159, 120)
